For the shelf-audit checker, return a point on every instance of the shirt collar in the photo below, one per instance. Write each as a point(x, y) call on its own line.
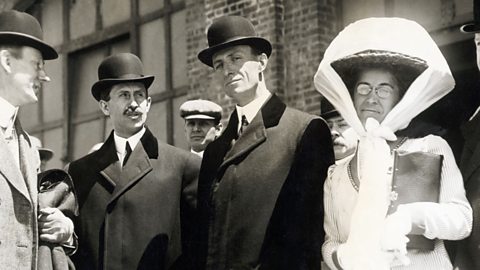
point(132, 140)
point(8, 113)
point(252, 108)
point(200, 154)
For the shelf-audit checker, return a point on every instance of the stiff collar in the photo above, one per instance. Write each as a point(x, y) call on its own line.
point(8, 113)
point(252, 108)
point(132, 140)
point(200, 154)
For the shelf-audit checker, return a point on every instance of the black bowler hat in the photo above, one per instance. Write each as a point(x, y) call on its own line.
point(230, 31)
point(475, 26)
point(22, 29)
point(120, 68)
point(327, 110)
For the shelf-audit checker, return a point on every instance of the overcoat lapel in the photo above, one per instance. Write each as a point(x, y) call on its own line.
point(10, 170)
point(28, 163)
point(137, 166)
point(253, 136)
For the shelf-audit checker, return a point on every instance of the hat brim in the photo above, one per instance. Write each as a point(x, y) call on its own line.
point(45, 153)
point(14, 38)
point(348, 66)
point(199, 116)
point(329, 114)
point(470, 28)
point(105, 84)
point(205, 56)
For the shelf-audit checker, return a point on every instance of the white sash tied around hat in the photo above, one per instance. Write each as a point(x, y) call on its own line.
point(393, 35)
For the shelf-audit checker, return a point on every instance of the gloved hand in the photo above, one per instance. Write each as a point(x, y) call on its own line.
point(357, 258)
point(54, 226)
point(394, 240)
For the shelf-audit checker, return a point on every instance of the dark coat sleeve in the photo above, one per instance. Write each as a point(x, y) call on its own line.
point(295, 234)
point(188, 211)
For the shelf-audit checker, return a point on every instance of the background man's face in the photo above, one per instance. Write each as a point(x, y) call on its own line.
point(27, 75)
point(342, 147)
point(128, 107)
point(197, 130)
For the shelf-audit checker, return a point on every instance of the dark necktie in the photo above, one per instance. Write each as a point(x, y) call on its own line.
point(128, 151)
point(243, 126)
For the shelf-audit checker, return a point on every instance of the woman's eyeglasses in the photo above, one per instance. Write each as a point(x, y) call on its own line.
point(382, 91)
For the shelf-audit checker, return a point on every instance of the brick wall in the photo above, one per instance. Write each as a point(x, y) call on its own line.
point(299, 30)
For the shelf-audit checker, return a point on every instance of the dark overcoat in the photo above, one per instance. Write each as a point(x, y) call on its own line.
point(468, 252)
point(260, 198)
point(130, 217)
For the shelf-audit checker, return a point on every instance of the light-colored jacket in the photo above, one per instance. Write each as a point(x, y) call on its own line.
point(18, 205)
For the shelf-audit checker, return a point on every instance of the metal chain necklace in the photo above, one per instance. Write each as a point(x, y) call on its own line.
point(349, 166)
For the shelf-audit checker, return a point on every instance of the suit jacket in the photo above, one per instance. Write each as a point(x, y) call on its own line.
point(18, 205)
point(130, 217)
point(468, 253)
point(260, 199)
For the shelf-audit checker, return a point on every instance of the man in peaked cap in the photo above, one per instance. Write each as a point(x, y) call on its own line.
point(135, 191)
point(260, 192)
point(468, 253)
point(202, 123)
point(22, 55)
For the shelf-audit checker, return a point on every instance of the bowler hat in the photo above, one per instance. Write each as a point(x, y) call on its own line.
point(230, 31)
point(475, 26)
point(201, 109)
point(22, 29)
point(120, 68)
point(45, 153)
point(327, 110)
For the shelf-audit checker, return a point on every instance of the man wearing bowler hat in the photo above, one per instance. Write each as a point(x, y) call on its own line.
point(202, 123)
point(260, 193)
point(22, 55)
point(343, 137)
point(468, 253)
point(134, 191)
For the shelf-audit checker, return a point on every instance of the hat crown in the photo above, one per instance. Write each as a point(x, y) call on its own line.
point(20, 22)
point(122, 65)
point(229, 28)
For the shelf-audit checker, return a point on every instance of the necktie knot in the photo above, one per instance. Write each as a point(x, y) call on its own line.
point(243, 125)
point(128, 151)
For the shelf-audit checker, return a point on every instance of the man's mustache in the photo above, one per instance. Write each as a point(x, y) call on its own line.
point(132, 110)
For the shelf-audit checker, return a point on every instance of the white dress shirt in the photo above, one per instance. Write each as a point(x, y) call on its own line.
point(120, 143)
point(8, 113)
point(252, 108)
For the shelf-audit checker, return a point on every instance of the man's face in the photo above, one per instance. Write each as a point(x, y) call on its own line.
point(477, 45)
point(26, 76)
point(128, 107)
point(237, 69)
point(196, 131)
point(342, 147)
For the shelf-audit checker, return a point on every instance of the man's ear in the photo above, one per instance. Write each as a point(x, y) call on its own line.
point(5, 57)
point(149, 103)
point(218, 129)
point(104, 107)
point(263, 60)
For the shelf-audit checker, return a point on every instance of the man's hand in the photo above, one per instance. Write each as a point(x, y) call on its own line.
point(54, 226)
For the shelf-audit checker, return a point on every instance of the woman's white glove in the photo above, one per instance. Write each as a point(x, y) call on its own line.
point(394, 240)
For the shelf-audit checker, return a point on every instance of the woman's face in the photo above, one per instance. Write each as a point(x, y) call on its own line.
point(375, 94)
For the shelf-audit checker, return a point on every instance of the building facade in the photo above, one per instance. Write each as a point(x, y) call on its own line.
point(168, 34)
